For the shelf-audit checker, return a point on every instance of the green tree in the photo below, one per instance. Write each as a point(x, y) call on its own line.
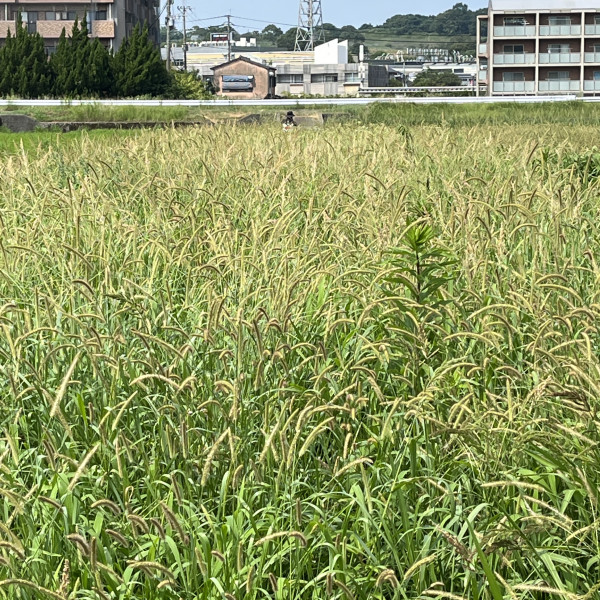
point(61, 62)
point(175, 35)
point(139, 69)
point(270, 34)
point(456, 21)
point(436, 78)
point(186, 85)
point(355, 49)
point(24, 69)
point(287, 41)
point(81, 67)
point(101, 80)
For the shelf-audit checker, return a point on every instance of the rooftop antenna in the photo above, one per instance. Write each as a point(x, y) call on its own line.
point(310, 26)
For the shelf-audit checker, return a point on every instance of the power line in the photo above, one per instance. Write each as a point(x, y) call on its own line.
point(207, 19)
point(261, 21)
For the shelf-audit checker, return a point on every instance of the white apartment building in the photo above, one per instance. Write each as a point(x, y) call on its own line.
point(538, 47)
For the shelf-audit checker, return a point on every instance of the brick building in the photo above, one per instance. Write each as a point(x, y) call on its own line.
point(110, 20)
point(539, 47)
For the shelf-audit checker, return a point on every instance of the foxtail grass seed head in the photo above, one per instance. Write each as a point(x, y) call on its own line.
point(80, 542)
point(387, 576)
point(158, 526)
point(13, 548)
point(345, 589)
point(105, 503)
point(118, 537)
point(174, 523)
point(200, 561)
point(218, 555)
point(249, 579)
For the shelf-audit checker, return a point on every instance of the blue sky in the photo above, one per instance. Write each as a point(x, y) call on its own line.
point(339, 12)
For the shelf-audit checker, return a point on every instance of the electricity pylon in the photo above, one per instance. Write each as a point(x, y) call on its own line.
point(310, 25)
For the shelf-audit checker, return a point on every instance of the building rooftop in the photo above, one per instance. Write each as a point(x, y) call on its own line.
point(246, 60)
point(545, 5)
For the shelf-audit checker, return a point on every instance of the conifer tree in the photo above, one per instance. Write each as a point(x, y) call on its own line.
point(139, 68)
point(101, 74)
point(82, 67)
point(62, 65)
point(24, 68)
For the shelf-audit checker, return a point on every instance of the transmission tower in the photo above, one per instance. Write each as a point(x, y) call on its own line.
point(310, 25)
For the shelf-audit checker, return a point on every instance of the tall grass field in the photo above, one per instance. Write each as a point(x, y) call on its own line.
point(357, 362)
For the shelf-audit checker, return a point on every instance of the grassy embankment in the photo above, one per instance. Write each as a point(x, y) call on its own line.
point(354, 362)
point(409, 114)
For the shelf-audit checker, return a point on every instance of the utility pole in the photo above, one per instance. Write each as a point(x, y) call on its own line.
point(183, 9)
point(228, 38)
point(169, 24)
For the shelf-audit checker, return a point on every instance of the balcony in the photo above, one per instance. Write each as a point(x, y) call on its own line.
point(559, 58)
point(560, 86)
point(514, 86)
point(592, 30)
point(482, 49)
point(591, 57)
point(5, 27)
point(515, 31)
point(514, 59)
point(558, 30)
point(53, 29)
point(591, 86)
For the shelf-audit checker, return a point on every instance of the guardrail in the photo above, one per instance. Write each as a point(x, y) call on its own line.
point(420, 89)
point(295, 103)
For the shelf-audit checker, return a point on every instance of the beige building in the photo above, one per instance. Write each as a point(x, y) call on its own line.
point(111, 20)
point(244, 79)
point(539, 47)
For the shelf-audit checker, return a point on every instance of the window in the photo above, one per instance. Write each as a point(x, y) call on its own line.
point(237, 83)
point(291, 78)
point(353, 77)
point(596, 48)
point(513, 76)
point(50, 16)
point(558, 76)
point(596, 75)
point(561, 20)
point(559, 48)
point(514, 49)
point(101, 15)
point(324, 78)
point(514, 21)
point(596, 19)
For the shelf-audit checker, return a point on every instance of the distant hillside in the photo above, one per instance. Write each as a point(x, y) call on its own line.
point(453, 29)
point(459, 20)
